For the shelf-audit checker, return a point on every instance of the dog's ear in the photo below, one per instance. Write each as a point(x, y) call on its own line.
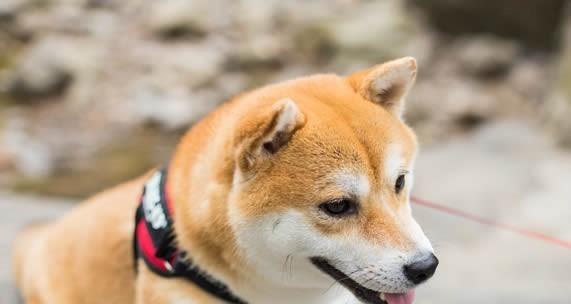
point(266, 134)
point(386, 84)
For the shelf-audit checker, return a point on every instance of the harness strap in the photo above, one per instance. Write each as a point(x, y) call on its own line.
point(154, 241)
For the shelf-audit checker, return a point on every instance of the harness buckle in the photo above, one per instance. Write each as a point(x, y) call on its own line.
point(168, 266)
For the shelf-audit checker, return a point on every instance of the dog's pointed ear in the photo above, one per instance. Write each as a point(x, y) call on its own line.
point(265, 135)
point(386, 84)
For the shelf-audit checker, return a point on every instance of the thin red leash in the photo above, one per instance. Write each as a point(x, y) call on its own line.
point(489, 222)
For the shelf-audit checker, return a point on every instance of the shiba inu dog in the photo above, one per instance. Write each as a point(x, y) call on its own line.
point(297, 192)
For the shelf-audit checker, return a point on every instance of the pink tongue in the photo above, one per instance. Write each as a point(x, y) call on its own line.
point(400, 298)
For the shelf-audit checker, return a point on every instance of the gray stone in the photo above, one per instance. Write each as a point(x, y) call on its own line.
point(531, 22)
point(260, 51)
point(557, 109)
point(378, 30)
point(172, 108)
point(485, 56)
point(41, 81)
point(49, 68)
point(179, 18)
point(28, 154)
point(9, 9)
point(38, 74)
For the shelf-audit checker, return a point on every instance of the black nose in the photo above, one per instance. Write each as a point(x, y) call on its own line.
point(421, 269)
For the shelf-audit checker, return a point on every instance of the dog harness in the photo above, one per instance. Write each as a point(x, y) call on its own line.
point(154, 241)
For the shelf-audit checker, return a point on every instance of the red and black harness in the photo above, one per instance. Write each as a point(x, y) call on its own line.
point(154, 241)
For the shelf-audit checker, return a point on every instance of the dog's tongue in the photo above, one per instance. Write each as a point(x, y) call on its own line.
point(400, 298)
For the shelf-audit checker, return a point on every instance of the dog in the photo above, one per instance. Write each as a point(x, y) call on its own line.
point(297, 192)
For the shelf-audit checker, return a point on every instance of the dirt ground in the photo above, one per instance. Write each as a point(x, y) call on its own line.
point(505, 171)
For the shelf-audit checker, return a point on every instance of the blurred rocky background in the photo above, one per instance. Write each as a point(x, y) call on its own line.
point(93, 92)
point(96, 91)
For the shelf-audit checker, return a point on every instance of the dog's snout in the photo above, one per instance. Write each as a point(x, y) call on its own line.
point(421, 269)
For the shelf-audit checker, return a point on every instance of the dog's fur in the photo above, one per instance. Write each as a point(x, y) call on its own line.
point(246, 183)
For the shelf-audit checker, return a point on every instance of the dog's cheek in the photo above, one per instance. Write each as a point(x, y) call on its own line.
point(260, 238)
point(274, 236)
point(290, 232)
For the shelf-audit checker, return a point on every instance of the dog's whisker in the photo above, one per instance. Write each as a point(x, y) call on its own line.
point(290, 267)
point(347, 276)
point(329, 287)
point(372, 276)
point(284, 266)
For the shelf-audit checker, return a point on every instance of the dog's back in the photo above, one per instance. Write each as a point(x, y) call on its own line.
point(27, 242)
point(66, 259)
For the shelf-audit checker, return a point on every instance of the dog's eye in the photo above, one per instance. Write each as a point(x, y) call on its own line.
point(399, 184)
point(339, 207)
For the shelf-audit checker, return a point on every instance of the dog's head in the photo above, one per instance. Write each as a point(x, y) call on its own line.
point(322, 185)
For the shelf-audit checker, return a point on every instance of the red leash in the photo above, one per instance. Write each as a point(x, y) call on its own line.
point(488, 222)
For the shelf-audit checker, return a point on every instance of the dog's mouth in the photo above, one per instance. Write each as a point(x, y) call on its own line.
point(363, 293)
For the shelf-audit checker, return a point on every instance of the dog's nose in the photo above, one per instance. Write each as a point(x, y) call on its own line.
point(421, 269)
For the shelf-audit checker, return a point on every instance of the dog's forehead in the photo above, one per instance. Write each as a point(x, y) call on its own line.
point(345, 141)
point(365, 140)
point(382, 161)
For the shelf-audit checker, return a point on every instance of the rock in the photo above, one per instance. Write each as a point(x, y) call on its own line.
point(373, 31)
point(195, 66)
point(30, 156)
point(531, 22)
point(6, 161)
point(38, 74)
point(255, 52)
point(173, 19)
point(11, 14)
point(462, 104)
point(557, 113)
point(9, 9)
point(485, 56)
point(100, 4)
point(13, 8)
point(169, 108)
point(529, 77)
point(37, 81)
point(473, 80)
point(557, 109)
point(254, 17)
point(48, 69)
